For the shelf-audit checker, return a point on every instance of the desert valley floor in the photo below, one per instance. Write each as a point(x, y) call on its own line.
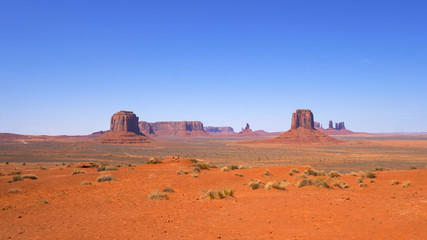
point(379, 193)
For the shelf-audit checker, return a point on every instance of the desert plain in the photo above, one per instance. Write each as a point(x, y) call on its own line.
point(214, 188)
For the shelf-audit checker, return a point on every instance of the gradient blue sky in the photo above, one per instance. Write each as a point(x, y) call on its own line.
point(67, 66)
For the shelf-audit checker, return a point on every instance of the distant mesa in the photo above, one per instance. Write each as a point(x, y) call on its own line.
point(177, 129)
point(302, 132)
point(219, 130)
point(339, 128)
point(124, 129)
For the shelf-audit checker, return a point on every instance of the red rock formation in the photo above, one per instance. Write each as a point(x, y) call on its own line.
point(146, 128)
point(247, 131)
point(302, 118)
point(331, 125)
point(179, 129)
point(302, 132)
point(124, 130)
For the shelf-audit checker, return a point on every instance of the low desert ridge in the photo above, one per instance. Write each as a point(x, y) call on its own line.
point(185, 198)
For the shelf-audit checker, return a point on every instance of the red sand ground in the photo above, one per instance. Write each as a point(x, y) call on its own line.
point(120, 209)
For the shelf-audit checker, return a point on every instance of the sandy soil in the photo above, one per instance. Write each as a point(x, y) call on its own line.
point(56, 206)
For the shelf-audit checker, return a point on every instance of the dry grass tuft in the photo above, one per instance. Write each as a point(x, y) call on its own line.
point(181, 172)
point(369, 174)
point(334, 174)
point(168, 189)
point(84, 183)
point(341, 185)
point(255, 184)
point(220, 194)
point(154, 160)
point(354, 174)
point(363, 185)
point(406, 184)
point(279, 185)
point(395, 182)
point(14, 191)
point(105, 178)
point(156, 195)
point(203, 165)
point(77, 171)
point(225, 169)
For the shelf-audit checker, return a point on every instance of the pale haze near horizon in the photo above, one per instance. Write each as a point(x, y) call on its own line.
point(66, 67)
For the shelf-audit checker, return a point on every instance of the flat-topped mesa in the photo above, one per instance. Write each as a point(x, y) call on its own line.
point(219, 130)
point(124, 129)
point(124, 121)
point(302, 118)
point(179, 129)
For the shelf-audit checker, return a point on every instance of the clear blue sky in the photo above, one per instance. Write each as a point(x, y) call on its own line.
point(67, 66)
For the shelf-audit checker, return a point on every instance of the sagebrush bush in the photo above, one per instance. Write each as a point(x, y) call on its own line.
point(30, 176)
point(363, 185)
point(202, 165)
point(334, 174)
point(181, 172)
point(105, 178)
point(341, 185)
point(369, 174)
point(255, 184)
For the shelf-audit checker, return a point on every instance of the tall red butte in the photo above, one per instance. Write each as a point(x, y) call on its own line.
point(302, 132)
point(124, 129)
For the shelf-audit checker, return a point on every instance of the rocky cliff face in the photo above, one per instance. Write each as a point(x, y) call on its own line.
point(124, 129)
point(181, 128)
point(124, 121)
point(146, 128)
point(302, 118)
point(219, 130)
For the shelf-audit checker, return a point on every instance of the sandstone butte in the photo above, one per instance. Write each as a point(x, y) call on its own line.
point(302, 132)
point(177, 129)
point(124, 129)
point(339, 128)
point(247, 131)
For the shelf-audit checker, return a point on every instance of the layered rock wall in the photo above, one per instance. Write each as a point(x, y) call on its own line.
point(302, 118)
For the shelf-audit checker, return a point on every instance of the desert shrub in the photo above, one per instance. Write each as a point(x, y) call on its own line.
point(294, 170)
point(363, 185)
point(105, 178)
point(30, 176)
point(369, 174)
point(341, 185)
point(255, 184)
point(406, 184)
point(242, 167)
point(16, 172)
point(334, 174)
point(353, 174)
point(181, 172)
point(372, 181)
point(106, 168)
point(193, 160)
point(168, 189)
point(77, 171)
point(267, 173)
point(233, 167)
point(395, 182)
point(85, 183)
point(301, 176)
point(202, 165)
point(156, 195)
point(360, 179)
point(17, 178)
point(321, 182)
point(239, 175)
point(304, 182)
point(220, 194)
point(196, 170)
point(276, 185)
point(379, 169)
point(154, 160)
point(225, 169)
point(14, 191)
point(412, 168)
point(311, 172)
point(195, 174)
